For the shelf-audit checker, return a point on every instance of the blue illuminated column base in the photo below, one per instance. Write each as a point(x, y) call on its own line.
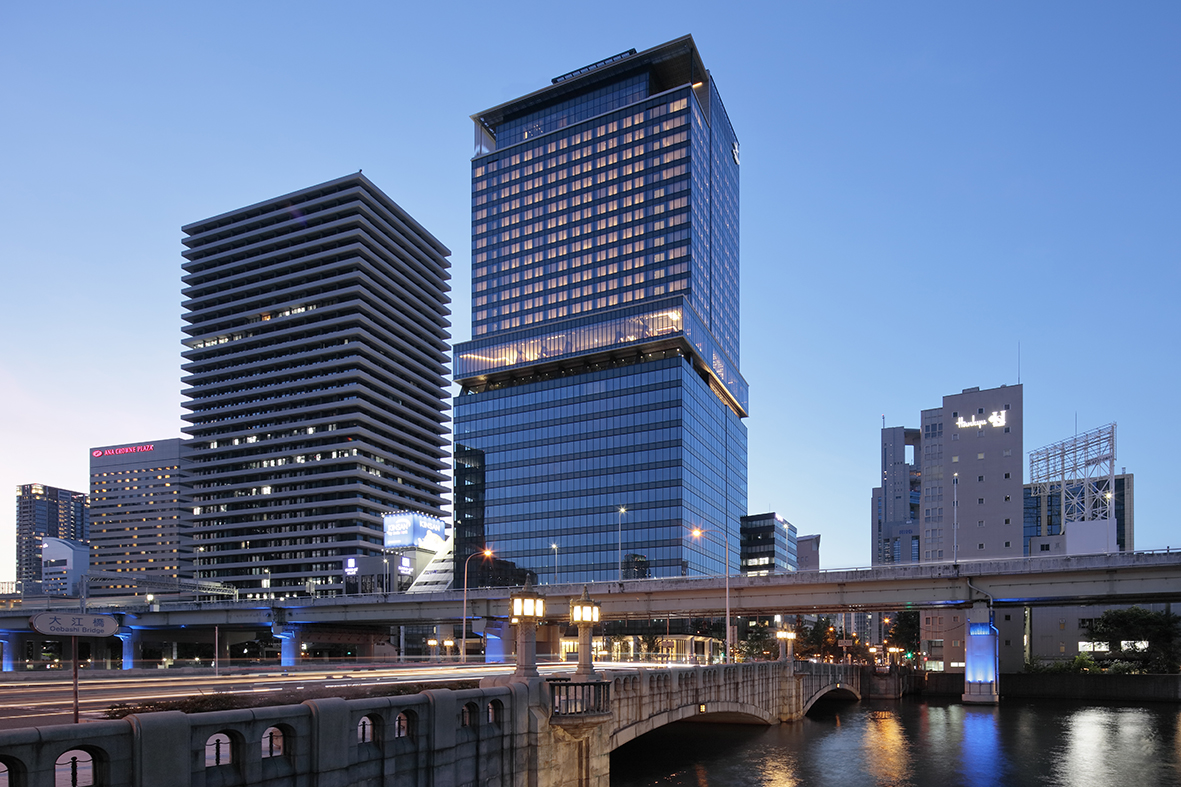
point(980, 659)
point(130, 639)
point(10, 644)
point(290, 641)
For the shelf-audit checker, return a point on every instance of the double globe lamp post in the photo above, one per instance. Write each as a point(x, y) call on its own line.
point(787, 645)
point(584, 613)
point(528, 609)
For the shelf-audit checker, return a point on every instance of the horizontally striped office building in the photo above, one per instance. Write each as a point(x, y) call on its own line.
point(315, 358)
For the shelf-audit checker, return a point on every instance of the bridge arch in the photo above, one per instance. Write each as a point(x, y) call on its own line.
point(836, 691)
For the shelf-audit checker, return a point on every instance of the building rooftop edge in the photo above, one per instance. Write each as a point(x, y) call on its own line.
point(574, 83)
point(358, 177)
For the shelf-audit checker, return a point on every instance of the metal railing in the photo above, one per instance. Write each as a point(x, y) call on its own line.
point(580, 699)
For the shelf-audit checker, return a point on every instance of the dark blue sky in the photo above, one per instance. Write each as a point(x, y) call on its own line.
point(924, 186)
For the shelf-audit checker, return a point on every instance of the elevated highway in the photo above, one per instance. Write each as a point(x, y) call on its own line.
point(1124, 578)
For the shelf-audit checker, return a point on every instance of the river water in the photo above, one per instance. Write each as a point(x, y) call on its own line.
point(919, 743)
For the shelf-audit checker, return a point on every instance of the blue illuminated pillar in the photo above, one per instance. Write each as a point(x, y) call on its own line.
point(981, 658)
point(130, 638)
point(10, 642)
point(290, 641)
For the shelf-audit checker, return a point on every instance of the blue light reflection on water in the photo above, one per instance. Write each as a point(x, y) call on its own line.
point(913, 743)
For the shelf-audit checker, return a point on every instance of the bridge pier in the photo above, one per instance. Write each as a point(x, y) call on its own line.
point(11, 643)
point(290, 640)
point(981, 669)
point(132, 643)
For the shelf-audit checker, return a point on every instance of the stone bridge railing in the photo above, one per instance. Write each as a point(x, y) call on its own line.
point(752, 693)
point(439, 738)
point(510, 732)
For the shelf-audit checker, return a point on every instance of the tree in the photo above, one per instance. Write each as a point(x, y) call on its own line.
point(650, 645)
point(1134, 625)
point(905, 632)
point(757, 644)
point(819, 641)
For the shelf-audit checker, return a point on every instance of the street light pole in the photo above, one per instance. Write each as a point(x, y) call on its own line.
point(955, 518)
point(555, 548)
point(698, 533)
point(463, 637)
point(622, 511)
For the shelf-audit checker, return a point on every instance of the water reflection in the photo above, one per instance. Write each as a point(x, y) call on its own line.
point(980, 747)
point(918, 744)
point(885, 749)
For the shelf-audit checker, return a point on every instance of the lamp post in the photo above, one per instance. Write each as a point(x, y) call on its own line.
point(463, 637)
point(448, 644)
point(386, 564)
point(787, 645)
point(528, 609)
point(955, 518)
point(584, 613)
point(434, 646)
point(622, 511)
point(699, 533)
point(554, 547)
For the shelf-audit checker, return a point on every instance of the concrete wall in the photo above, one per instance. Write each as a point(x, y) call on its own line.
point(504, 734)
point(320, 744)
point(1122, 688)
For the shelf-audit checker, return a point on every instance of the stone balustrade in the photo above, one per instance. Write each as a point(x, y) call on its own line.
point(510, 732)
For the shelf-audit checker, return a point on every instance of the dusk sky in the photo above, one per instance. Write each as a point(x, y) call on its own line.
point(926, 186)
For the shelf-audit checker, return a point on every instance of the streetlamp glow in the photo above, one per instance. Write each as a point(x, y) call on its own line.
point(585, 614)
point(487, 553)
point(787, 641)
point(528, 609)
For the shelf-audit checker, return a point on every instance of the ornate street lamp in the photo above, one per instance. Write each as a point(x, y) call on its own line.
point(584, 613)
point(434, 646)
point(528, 609)
point(787, 644)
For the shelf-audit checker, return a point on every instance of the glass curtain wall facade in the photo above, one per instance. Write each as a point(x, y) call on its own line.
point(601, 404)
point(316, 351)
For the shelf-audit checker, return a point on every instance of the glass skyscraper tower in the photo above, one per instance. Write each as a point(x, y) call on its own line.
point(599, 419)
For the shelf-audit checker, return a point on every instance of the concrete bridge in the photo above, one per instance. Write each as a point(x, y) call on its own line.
point(511, 732)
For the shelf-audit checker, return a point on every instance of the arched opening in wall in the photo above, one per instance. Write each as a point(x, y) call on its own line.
point(369, 730)
point(468, 715)
point(219, 750)
point(272, 743)
point(495, 712)
point(75, 768)
point(405, 725)
point(11, 773)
